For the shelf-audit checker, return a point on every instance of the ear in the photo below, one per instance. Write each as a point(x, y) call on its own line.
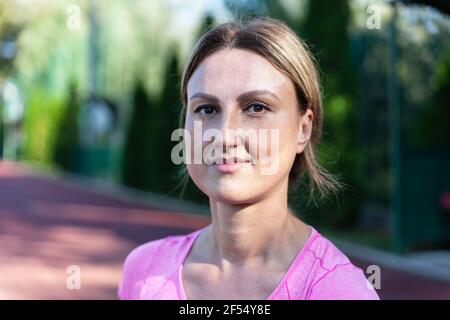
point(304, 130)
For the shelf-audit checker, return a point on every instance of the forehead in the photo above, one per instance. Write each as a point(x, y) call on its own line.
point(229, 72)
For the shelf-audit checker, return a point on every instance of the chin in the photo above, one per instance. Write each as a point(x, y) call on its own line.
point(231, 192)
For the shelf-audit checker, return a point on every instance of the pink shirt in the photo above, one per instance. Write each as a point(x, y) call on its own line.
point(319, 271)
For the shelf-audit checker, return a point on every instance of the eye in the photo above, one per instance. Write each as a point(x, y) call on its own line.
point(257, 108)
point(206, 109)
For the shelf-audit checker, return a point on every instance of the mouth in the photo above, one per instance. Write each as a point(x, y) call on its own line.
point(231, 161)
point(230, 165)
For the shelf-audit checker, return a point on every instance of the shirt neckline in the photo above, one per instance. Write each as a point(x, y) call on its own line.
point(312, 235)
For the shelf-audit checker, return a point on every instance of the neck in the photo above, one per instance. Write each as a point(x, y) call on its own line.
point(259, 230)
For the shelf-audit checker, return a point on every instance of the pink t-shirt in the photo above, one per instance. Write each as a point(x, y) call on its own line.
point(319, 271)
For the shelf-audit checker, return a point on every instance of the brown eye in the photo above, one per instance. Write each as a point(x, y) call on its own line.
point(206, 109)
point(256, 108)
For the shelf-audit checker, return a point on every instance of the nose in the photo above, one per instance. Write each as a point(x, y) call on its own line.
point(230, 139)
point(227, 130)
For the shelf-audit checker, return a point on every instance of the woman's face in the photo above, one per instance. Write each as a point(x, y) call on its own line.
point(251, 126)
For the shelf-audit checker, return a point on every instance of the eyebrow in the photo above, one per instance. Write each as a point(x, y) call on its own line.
point(241, 97)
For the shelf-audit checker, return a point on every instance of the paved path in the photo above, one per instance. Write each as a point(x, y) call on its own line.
point(47, 225)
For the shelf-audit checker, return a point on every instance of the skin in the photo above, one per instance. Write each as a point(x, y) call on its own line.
point(254, 236)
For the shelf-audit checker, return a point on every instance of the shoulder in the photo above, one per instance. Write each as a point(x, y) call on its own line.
point(154, 257)
point(334, 275)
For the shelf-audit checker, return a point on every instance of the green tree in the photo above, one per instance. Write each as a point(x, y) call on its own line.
point(40, 126)
point(166, 116)
point(136, 162)
point(341, 151)
point(431, 128)
point(66, 144)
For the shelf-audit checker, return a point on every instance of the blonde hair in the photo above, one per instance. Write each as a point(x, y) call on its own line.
point(276, 42)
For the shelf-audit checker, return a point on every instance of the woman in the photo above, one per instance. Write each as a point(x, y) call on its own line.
point(255, 76)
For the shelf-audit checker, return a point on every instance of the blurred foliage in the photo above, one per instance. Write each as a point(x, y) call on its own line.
point(330, 44)
point(136, 169)
point(432, 124)
point(41, 120)
point(147, 163)
point(169, 106)
point(67, 138)
point(2, 128)
point(340, 152)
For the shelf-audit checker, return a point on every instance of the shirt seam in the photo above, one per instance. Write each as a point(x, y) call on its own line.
point(329, 271)
point(300, 257)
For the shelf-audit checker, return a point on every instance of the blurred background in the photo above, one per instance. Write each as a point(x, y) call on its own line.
point(89, 97)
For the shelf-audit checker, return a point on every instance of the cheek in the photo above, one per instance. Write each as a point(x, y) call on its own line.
point(277, 150)
point(288, 145)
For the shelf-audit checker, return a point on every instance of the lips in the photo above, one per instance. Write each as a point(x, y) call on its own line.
point(230, 165)
point(230, 161)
